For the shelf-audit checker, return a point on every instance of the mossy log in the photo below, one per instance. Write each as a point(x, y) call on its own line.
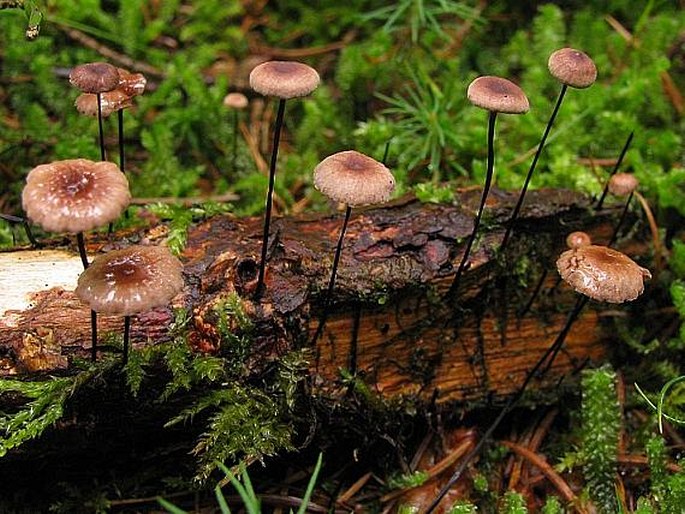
point(392, 323)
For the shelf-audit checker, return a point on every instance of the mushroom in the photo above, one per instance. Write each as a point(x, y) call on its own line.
point(236, 102)
point(354, 179)
point(284, 80)
point(602, 273)
point(572, 68)
point(96, 78)
point(129, 281)
point(578, 239)
point(495, 95)
point(75, 196)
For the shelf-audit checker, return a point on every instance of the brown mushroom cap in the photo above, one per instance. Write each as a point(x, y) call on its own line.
point(572, 67)
point(75, 195)
point(135, 279)
point(353, 178)
point(578, 239)
point(498, 95)
point(284, 79)
point(131, 84)
point(235, 101)
point(602, 273)
point(622, 184)
point(111, 101)
point(94, 77)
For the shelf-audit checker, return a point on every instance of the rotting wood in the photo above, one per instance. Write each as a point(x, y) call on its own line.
point(391, 324)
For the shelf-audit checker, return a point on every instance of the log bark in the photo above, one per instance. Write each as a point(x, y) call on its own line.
point(391, 324)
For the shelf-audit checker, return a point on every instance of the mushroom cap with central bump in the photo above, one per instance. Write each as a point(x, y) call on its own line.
point(354, 179)
point(235, 101)
point(284, 79)
point(135, 279)
point(602, 273)
point(572, 67)
point(497, 95)
point(622, 184)
point(75, 195)
point(94, 77)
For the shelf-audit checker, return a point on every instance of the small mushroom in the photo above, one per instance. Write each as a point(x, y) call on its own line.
point(623, 184)
point(236, 102)
point(495, 95)
point(602, 273)
point(284, 80)
point(96, 78)
point(572, 68)
point(129, 281)
point(354, 179)
point(578, 239)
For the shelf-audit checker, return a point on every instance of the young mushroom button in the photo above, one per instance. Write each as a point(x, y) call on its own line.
point(602, 273)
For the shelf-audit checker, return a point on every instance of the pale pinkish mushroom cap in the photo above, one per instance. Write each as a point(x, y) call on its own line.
point(94, 77)
point(572, 67)
point(235, 101)
point(354, 179)
point(110, 102)
point(75, 195)
point(135, 279)
point(284, 79)
point(602, 273)
point(498, 95)
point(622, 184)
point(578, 239)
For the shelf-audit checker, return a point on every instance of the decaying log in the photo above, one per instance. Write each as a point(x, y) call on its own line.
point(391, 324)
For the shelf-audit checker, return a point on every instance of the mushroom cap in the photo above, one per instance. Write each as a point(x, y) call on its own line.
point(498, 95)
point(578, 239)
point(235, 101)
point(94, 77)
point(75, 195)
point(284, 79)
point(572, 67)
point(135, 279)
point(111, 101)
point(622, 184)
point(602, 273)
point(131, 84)
point(353, 178)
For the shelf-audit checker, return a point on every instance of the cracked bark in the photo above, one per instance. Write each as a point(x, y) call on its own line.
point(391, 323)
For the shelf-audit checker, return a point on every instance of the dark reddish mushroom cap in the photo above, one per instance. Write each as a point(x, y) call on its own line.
point(578, 239)
point(94, 77)
point(572, 67)
point(110, 102)
point(602, 273)
point(622, 184)
point(498, 95)
point(131, 84)
point(235, 101)
point(284, 79)
point(135, 279)
point(353, 178)
point(75, 195)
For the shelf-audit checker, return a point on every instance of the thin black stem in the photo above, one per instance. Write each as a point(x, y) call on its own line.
point(620, 221)
point(120, 120)
point(549, 355)
point(27, 228)
point(536, 292)
point(93, 336)
point(386, 151)
point(101, 130)
point(82, 249)
point(269, 197)
point(486, 189)
point(127, 336)
point(613, 172)
point(331, 281)
point(524, 189)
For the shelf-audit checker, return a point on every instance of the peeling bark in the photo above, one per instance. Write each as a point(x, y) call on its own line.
point(391, 322)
